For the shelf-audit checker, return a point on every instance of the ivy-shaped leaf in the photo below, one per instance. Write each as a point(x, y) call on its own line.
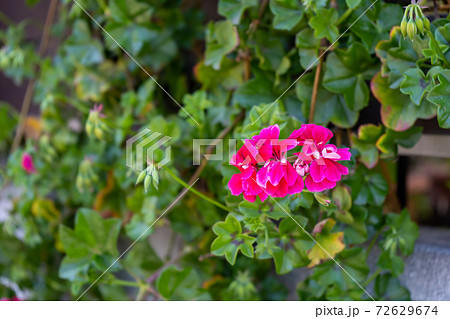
point(184, 284)
point(398, 112)
point(287, 13)
point(367, 187)
point(308, 47)
point(388, 142)
point(440, 96)
point(93, 242)
point(230, 240)
point(401, 234)
point(328, 243)
point(323, 24)
point(347, 72)
point(368, 135)
point(415, 84)
point(233, 9)
point(221, 38)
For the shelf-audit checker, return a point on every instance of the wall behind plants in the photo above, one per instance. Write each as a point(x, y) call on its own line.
point(265, 63)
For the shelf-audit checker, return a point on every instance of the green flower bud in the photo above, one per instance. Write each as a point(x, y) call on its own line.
point(418, 19)
point(426, 23)
point(141, 177)
point(155, 177)
point(411, 28)
point(147, 181)
point(89, 128)
point(403, 27)
point(98, 133)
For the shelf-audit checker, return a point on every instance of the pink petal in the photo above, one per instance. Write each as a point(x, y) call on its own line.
point(321, 135)
point(263, 196)
point(297, 187)
point(317, 171)
point(344, 154)
point(331, 171)
point(291, 174)
point(276, 173)
point(250, 198)
point(235, 184)
point(282, 190)
point(262, 176)
point(343, 170)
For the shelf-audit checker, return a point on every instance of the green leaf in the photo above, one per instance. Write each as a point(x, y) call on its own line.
point(184, 284)
point(367, 187)
point(327, 243)
point(308, 48)
point(389, 288)
point(388, 142)
point(221, 38)
point(233, 9)
point(352, 4)
point(254, 92)
point(341, 197)
point(195, 105)
point(92, 237)
point(368, 135)
point(402, 233)
point(250, 210)
point(287, 13)
point(398, 112)
point(324, 24)
point(81, 47)
point(415, 84)
point(330, 107)
point(347, 72)
point(230, 240)
point(390, 262)
point(440, 96)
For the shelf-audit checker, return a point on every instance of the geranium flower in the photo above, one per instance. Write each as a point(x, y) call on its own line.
point(324, 170)
point(266, 171)
point(27, 163)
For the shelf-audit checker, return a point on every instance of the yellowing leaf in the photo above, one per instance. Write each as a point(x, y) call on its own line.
point(328, 244)
point(33, 127)
point(45, 208)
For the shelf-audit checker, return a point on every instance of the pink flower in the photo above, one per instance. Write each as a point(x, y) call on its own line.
point(265, 169)
point(324, 170)
point(28, 164)
point(12, 299)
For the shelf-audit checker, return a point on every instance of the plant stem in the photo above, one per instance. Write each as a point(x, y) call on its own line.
point(374, 275)
point(312, 109)
point(374, 240)
point(26, 103)
point(193, 190)
point(127, 283)
point(344, 16)
point(438, 49)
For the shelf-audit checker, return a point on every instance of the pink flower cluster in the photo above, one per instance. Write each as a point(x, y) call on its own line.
point(266, 170)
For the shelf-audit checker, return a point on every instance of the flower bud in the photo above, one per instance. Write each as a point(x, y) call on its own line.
point(403, 27)
point(411, 28)
point(147, 181)
point(426, 23)
point(141, 177)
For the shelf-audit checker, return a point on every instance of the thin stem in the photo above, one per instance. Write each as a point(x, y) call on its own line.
point(374, 240)
point(126, 283)
point(438, 49)
point(312, 109)
point(344, 16)
point(193, 190)
point(26, 103)
point(371, 278)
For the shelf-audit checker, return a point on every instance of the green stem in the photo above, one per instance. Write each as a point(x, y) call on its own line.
point(193, 190)
point(374, 240)
point(344, 16)
point(120, 282)
point(374, 275)
point(438, 49)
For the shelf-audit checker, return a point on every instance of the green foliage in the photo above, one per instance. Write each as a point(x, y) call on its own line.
point(255, 67)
